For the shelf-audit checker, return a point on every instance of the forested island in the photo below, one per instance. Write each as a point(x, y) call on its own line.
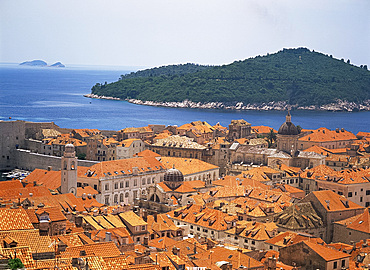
point(299, 78)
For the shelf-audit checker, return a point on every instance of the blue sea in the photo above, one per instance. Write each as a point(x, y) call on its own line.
point(56, 95)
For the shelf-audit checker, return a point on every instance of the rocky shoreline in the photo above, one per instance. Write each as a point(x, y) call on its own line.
point(339, 106)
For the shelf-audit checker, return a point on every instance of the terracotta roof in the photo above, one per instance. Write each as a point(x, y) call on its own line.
point(328, 254)
point(116, 263)
point(49, 179)
point(132, 219)
point(288, 238)
point(30, 238)
point(218, 254)
point(254, 230)
point(120, 167)
point(105, 249)
point(13, 184)
point(22, 253)
point(262, 129)
point(233, 181)
point(54, 213)
point(65, 139)
point(187, 166)
point(86, 190)
point(147, 153)
point(360, 222)
point(336, 202)
point(346, 177)
point(177, 141)
point(187, 246)
point(327, 135)
point(317, 149)
point(163, 223)
point(162, 243)
point(136, 129)
point(363, 134)
point(116, 233)
point(205, 217)
point(14, 219)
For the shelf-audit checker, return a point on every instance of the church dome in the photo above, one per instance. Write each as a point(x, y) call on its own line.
point(173, 175)
point(288, 128)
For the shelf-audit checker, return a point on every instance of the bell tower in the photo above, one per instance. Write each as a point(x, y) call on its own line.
point(69, 171)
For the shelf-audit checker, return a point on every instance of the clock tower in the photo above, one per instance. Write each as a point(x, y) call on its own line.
point(69, 171)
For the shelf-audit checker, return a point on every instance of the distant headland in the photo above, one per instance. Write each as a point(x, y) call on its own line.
point(298, 78)
point(41, 63)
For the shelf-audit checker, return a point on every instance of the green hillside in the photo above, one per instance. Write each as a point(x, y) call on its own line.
point(297, 76)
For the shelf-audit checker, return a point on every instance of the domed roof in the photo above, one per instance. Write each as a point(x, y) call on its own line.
point(173, 175)
point(288, 128)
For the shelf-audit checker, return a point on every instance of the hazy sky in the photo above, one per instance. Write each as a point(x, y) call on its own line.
point(159, 32)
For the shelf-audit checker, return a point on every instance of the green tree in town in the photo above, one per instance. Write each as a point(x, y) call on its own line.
point(15, 263)
point(271, 137)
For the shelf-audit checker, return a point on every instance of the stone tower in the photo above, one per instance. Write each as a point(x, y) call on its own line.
point(287, 137)
point(69, 171)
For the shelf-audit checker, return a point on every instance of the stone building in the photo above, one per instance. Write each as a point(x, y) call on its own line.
point(238, 129)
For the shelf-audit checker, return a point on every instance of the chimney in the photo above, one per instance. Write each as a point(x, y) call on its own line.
point(155, 215)
point(108, 236)
point(50, 168)
point(175, 251)
point(328, 203)
point(89, 196)
point(84, 196)
point(145, 215)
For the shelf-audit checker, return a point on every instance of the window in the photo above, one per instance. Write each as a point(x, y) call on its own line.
point(116, 198)
point(148, 181)
point(115, 185)
point(360, 199)
point(335, 265)
point(106, 201)
point(343, 263)
point(236, 238)
point(349, 194)
point(106, 186)
point(367, 192)
point(127, 184)
point(121, 185)
point(191, 227)
point(121, 197)
point(253, 242)
point(126, 195)
point(135, 182)
point(246, 241)
point(143, 181)
point(367, 204)
point(143, 228)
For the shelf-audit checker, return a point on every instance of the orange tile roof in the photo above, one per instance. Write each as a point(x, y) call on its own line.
point(254, 230)
point(288, 238)
point(328, 254)
point(132, 219)
point(363, 134)
point(30, 238)
point(49, 179)
point(336, 201)
point(318, 149)
point(13, 184)
point(218, 254)
point(163, 223)
point(262, 129)
point(65, 139)
point(346, 177)
point(14, 219)
point(22, 253)
point(162, 243)
point(360, 222)
point(147, 153)
point(116, 263)
point(187, 166)
point(136, 129)
point(86, 190)
point(233, 181)
point(205, 217)
point(327, 135)
point(120, 167)
point(104, 249)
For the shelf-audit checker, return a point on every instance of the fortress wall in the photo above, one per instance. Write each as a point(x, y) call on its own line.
point(29, 161)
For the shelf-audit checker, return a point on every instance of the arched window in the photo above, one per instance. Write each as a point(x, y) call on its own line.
point(116, 198)
point(72, 165)
point(121, 197)
point(126, 195)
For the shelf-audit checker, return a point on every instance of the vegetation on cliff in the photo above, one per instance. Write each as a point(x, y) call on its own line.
point(297, 76)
